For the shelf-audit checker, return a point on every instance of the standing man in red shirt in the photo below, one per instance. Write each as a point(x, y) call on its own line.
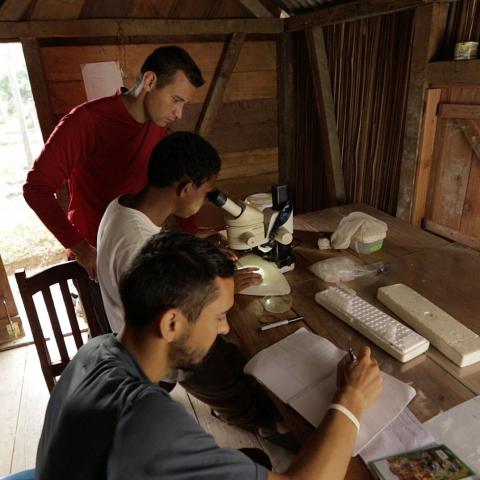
point(102, 148)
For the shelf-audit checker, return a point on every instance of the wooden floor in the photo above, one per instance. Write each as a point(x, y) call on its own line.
point(24, 397)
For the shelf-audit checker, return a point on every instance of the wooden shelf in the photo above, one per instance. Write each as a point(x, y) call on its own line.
point(461, 72)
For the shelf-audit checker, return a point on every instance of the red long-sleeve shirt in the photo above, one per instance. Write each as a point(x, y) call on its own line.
point(103, 153)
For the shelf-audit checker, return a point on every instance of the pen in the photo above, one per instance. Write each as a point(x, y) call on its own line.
point(279, 324)
point(353, 357)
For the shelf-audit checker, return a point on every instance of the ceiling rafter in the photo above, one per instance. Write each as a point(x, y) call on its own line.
point(14, 10)
point(106, 9)
point(256, 7)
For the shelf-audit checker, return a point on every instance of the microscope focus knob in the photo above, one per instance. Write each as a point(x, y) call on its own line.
point(248, 238)
point(283, 236)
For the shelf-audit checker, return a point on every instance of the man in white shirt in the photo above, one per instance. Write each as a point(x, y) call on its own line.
point(183, 168)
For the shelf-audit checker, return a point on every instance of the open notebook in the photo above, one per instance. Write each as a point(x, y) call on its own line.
point(301, 370)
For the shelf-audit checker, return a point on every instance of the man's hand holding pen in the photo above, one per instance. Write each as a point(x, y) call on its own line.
point(359, 381)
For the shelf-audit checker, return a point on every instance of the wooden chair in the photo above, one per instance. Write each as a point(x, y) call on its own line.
point(41, 282)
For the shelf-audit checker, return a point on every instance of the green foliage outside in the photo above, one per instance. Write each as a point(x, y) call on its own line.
point(24, 240)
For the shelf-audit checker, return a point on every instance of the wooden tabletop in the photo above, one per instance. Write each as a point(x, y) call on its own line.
point(447, 274)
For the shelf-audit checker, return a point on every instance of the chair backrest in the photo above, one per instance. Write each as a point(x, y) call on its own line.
point(41, 282)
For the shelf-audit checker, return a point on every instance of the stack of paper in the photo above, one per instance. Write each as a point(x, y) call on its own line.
point(459, 429)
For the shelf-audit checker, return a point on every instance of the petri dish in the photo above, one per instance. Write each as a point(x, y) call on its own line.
point(277, 303)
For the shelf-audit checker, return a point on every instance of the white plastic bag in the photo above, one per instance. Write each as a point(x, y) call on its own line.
point(339, 269)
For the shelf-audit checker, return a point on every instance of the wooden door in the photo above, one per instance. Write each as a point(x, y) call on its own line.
point(452, 201)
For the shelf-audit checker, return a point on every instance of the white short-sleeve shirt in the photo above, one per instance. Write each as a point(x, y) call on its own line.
point(122, 233)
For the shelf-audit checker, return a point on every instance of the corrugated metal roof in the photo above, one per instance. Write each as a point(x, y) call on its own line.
point(300, 6)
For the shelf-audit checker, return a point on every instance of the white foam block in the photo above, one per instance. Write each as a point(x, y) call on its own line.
point(453, 339)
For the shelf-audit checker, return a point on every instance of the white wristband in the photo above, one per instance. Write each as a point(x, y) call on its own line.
point(346, 412)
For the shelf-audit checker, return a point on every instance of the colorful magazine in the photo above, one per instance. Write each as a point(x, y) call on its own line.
point(433, 463)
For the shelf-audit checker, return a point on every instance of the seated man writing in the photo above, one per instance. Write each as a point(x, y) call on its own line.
point(108, 417)
point(182, 169)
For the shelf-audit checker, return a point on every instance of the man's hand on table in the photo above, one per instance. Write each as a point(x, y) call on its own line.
point(246, 277)
point(86, 256)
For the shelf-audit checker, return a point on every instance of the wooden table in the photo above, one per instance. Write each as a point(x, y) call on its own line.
point(446, 273)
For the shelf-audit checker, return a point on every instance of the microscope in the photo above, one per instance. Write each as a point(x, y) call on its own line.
point(268, 233)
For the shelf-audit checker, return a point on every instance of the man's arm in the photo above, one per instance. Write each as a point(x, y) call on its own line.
point(328, 451)
point(66, 148)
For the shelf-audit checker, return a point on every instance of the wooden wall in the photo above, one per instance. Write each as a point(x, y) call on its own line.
point(369, 63)
point(244, 132)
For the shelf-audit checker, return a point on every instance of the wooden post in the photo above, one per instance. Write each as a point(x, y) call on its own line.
point(31, 51)
point(225, 68)
point(10, 323)
point(326, 112)
point(429, 21)
point(286, 112)
point(12, 78)
point(424, 168)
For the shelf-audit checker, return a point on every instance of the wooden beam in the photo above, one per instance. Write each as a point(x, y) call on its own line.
point(461, 72)
point(471, 131)
point(13, 10)
point(286, 112)
point(224, 70)
point(452, 234)
point(427, 21)
point(104, 9)
point(256, 7)
point(350, 12)
point(457, 110)
point(54, 10)
point(326, 112)
point(137, 27)
point(33, 60)
point(424, 168)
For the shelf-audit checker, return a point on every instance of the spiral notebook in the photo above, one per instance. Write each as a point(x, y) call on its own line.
point(301, 371)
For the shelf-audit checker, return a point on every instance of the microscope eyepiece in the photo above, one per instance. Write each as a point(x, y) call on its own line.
point(217, 197)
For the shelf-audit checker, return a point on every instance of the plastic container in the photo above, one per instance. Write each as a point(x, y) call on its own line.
point(366, 247)
point(466, 51)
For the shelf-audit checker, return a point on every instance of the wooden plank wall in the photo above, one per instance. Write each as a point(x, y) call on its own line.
point(245, 131)
point(369, 67)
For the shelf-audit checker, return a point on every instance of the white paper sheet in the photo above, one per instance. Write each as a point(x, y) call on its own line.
point(294, 363)
point(459, 429)
point(404, 434)
point(101, 79)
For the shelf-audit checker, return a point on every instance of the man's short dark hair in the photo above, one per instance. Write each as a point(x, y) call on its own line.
point(166, 61)
point(182, 156)
point(172, 270)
